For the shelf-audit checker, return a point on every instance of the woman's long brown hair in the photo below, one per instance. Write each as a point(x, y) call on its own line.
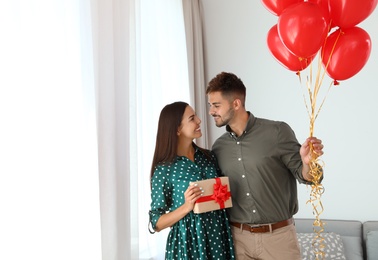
point(166, 138)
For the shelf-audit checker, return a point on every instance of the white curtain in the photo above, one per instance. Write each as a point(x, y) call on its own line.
point(49, 197)
point(81, 88)
point(110, 20)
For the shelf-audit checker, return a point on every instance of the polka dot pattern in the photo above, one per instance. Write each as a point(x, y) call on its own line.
point(196, 236)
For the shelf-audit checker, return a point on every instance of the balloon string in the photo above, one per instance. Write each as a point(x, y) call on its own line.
point(316, 165)
point(317, 190)
point(330, 56)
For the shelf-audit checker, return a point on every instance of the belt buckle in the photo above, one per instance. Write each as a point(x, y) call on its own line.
point(252, 228)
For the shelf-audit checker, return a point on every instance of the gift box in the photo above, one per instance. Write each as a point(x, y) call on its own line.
point(216, 195)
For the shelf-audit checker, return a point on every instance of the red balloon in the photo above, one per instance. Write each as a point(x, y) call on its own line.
point(303, 28)
point(346, 51)
point(348, 13)
point(283, 55)
point(324, 6)
point(277, 6)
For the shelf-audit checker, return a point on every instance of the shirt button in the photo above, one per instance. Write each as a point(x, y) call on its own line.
point(247, 194)
point(254, 211)
point(243, 176)
point(239, 159)
point(237, 142)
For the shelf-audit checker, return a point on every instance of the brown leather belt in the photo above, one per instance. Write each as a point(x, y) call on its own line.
point(263, 228)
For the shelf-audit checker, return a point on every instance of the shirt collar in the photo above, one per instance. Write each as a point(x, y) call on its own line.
point(250, 123)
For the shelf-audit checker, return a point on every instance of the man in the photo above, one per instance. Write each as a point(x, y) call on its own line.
point(263, 161)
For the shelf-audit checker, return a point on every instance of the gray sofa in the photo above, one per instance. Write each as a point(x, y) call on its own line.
point(343, 239)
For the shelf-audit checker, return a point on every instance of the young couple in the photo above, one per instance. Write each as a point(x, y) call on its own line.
point(263, 161)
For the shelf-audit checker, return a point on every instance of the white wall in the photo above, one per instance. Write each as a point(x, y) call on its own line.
point(235, 41)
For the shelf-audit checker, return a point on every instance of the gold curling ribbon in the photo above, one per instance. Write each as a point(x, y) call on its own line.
point(316, 165)
point(316, 172)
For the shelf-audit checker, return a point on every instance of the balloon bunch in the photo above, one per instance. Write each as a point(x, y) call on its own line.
point(305, 28)
point(329, 28)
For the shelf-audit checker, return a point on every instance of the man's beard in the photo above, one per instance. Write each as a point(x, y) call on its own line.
point(225, 120)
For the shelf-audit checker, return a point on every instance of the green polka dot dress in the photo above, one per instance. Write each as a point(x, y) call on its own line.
point(196, 236)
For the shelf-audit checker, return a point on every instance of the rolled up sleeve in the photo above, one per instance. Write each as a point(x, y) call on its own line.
point(160, 195)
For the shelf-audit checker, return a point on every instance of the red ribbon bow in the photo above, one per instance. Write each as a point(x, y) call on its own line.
point(220, 194)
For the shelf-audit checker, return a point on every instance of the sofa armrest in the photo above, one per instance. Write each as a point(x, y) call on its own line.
point(370, 235)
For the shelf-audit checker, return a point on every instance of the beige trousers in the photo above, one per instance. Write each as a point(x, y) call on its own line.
point(281, 244)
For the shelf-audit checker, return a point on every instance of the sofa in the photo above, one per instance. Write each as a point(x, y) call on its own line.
point(343, 239)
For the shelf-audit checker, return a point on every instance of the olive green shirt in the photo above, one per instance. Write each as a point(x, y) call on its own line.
point(263, 165)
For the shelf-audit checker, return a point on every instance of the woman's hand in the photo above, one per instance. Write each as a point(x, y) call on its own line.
point(192, 194)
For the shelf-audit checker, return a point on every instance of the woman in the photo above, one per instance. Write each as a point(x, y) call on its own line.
point(177, 162)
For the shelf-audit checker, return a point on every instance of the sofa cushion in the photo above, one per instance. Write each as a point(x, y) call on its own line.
point(372, 244)
point(334, 247)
